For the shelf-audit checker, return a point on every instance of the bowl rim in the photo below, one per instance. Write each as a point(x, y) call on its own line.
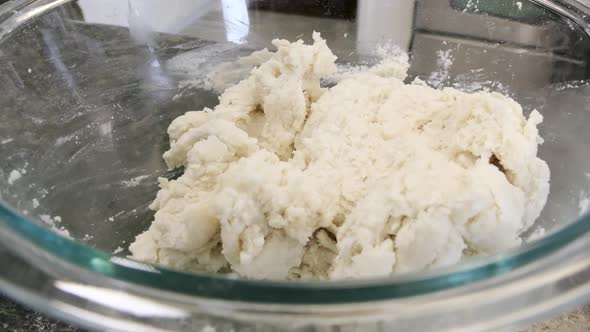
point(230, 288)
point(223, 287)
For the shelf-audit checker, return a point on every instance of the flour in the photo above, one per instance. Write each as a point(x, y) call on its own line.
point(14, 176)
point(285, 179)
point(62, 140)
point(208, 328)
point(207, 67)
point(476, 80)
point(134, 182)
point(537, 233)
point(53, 223)
point(390, 61)
point(444, 61)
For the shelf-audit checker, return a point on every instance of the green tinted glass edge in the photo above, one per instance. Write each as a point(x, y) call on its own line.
point(223, 288)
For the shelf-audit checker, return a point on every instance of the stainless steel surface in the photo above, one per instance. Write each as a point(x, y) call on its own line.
point(440, 16)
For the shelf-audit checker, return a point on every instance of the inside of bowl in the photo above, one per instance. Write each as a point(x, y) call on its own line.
point(88, 90)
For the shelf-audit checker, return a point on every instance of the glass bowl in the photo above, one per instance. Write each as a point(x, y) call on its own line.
point(88, 89)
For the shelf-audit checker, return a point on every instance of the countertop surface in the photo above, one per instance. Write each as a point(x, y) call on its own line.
point(16, 318)
point(575, 321)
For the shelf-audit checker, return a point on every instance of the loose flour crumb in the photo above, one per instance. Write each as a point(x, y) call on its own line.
point(52, 223)
point(134, 182)
point(14, 176)
point(538, 233)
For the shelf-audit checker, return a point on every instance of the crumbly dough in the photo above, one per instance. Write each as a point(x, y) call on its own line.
point(285, 179)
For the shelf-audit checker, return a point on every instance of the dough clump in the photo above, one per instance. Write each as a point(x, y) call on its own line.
point(285, 179)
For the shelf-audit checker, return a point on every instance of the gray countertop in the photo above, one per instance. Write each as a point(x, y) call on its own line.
point(575, 321)
point(16, 318)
